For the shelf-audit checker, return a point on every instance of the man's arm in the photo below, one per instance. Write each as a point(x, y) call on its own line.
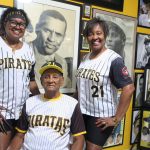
point(77, 129)
point(16, 142)
point(34, 88)
point(78, 143)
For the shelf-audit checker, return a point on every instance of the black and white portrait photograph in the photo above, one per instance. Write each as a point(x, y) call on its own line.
point(135, 126)
point(122, 35)
point(86, 11)
point(85, 45)
point(144, 13)
point(84, 22)
point(142, 50)
point(147, 87)
point(54, 34)
point(138, 94)
point(145, 130)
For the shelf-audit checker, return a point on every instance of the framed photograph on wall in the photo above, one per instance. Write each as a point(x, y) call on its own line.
point(145, 130)
point(135, 127)
point(138, 93)
point(122, 35)
point(142, 50)
point(111, 4)
point(85, 45)
point(143, 13)
point(54, 35)
point(116, 138)
point(84, 22)
point(86, 11)
point(146, 101)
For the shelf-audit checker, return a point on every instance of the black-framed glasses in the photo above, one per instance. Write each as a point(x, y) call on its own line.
point(15, 23)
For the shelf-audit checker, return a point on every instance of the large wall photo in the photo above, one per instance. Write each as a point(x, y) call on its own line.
point(62, 49)
point(121, 39)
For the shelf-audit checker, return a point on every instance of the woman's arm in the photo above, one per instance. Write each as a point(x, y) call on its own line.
point(16, 142)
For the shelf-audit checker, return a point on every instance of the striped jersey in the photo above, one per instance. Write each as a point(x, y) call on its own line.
point(15, 74)
point(98, 80)
point(48, 124)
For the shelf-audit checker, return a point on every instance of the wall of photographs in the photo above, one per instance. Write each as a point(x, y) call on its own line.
point(140, 126)
point(132, 18)
point(137, 31)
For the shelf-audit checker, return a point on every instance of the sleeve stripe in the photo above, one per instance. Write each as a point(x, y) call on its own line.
point(19, 130)
point(79, 133)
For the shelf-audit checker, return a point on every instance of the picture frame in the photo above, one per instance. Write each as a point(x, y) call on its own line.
point(124, 29)
point(141, 55)
point(143, 17)
point(135, 147)
point(69, 48)
point(135, 127)
point(111, 4)
point(138, 93)
point(116, 138)
point(84, 22)
point(145, 130)
point(86, 11)
point(85, 45)
point(146, 100)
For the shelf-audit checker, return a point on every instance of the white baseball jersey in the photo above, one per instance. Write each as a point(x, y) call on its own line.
point(97, 80)
point(15, 71)
point(48, 124)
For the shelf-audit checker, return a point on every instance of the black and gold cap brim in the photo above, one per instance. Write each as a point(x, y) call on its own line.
point(49, 66)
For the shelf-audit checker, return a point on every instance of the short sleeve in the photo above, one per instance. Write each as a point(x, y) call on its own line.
point(22, 124)
point(77, 123)
point(119, 74)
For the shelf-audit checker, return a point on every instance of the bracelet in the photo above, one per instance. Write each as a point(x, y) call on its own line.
point(115, 120)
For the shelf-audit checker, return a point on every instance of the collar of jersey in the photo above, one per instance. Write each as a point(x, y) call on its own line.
point(50, 99)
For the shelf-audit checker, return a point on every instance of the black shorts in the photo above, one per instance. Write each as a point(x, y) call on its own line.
point(12, 123)
point(94, 134)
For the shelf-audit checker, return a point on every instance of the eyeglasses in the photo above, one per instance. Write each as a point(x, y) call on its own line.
point(15, 24)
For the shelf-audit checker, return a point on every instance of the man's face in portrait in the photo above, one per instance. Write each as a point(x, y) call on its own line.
point(51, 34)
point(114, 41)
